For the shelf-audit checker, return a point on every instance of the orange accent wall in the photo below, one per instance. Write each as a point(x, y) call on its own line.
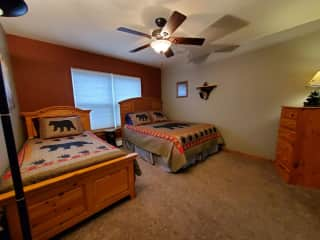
point(42, 72)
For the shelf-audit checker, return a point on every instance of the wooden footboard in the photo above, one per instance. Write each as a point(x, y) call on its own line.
point(59, 203)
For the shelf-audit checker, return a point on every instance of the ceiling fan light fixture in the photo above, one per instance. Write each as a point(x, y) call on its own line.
point(161, 45)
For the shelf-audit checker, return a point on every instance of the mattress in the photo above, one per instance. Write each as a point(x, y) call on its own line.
point(176, 142)
point(41, 159)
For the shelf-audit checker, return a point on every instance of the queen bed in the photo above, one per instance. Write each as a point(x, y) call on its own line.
point(66, 178)
point(174, 145)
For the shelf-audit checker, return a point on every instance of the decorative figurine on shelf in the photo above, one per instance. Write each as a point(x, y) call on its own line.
point(205, 90)
point(313, 100)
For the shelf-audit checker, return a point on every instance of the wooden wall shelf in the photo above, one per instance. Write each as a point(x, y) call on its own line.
point(207, 87)
point(205, 90)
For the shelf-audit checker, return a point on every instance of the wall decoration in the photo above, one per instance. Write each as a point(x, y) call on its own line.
point(182, 89)
point(205, 90)
point(313, 100)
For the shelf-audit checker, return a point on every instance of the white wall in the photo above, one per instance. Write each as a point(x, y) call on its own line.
point(15, 113)
point(252, 87)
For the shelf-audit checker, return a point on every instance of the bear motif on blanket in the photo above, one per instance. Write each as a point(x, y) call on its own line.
point(67, 145)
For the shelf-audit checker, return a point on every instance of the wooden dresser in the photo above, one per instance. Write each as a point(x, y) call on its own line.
point(298, 148)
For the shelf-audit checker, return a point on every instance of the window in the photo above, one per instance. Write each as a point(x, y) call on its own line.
point(101, 92)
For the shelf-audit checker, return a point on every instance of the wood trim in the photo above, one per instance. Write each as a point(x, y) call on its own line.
point(247, 155)
point(139, 105)
point(55, 111)
point(177, 86)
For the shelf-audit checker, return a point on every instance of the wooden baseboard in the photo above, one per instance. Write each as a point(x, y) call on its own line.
point(251, 156)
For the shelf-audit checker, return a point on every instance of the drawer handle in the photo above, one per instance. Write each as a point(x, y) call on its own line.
point(296, 164)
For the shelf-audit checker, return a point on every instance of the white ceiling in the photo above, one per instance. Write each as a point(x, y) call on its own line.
point(91, 25)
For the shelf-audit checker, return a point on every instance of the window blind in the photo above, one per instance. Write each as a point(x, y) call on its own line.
point(101, 92)
point(125, 87)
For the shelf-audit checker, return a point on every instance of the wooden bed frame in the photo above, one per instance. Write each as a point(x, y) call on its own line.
point(55, 111)
point(141, 104)
point(58, 203)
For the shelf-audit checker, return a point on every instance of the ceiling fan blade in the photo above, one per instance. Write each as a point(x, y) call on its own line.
point(127, 30)
point(186, 40)
point(140, 48)
point(175, 20)
point(199, 59)
point(219, 48)
point(224, 26)
point(169, 53)
point(200, 55)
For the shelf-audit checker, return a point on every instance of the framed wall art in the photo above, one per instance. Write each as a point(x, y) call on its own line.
point(182, 89)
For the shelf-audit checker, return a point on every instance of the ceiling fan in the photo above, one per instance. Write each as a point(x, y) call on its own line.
point(225, 25)
point(162, 38)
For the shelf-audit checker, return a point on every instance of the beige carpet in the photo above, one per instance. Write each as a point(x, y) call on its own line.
point(225, 197)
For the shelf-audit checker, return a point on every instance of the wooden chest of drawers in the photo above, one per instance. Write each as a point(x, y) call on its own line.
point(298, 148)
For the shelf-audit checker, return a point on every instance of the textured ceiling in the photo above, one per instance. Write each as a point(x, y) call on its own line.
point(91, 25)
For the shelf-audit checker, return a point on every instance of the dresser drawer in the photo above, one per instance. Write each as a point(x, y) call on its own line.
point(285, 153)
point(288, 123)
point(289, 113)
point(287, 135)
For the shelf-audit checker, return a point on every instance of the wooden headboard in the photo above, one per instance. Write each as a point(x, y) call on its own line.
point(55, 111)
point(139, 105)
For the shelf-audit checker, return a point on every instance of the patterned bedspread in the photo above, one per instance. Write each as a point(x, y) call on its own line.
point(41, 159)
point(174, 140)
point(182, 134)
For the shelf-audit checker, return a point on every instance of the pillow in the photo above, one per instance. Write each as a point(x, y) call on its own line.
point(60, 127)
point(139, 118)
point(157, 116)
point(127, 119)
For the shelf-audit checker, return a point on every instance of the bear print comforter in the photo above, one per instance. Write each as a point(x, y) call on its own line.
point(175, 141)
point(41, 159)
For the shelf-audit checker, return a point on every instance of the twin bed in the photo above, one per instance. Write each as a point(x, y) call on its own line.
point(66, 178)
point(173, 145)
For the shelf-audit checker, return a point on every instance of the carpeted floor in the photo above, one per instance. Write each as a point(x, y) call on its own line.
point(225, 197)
